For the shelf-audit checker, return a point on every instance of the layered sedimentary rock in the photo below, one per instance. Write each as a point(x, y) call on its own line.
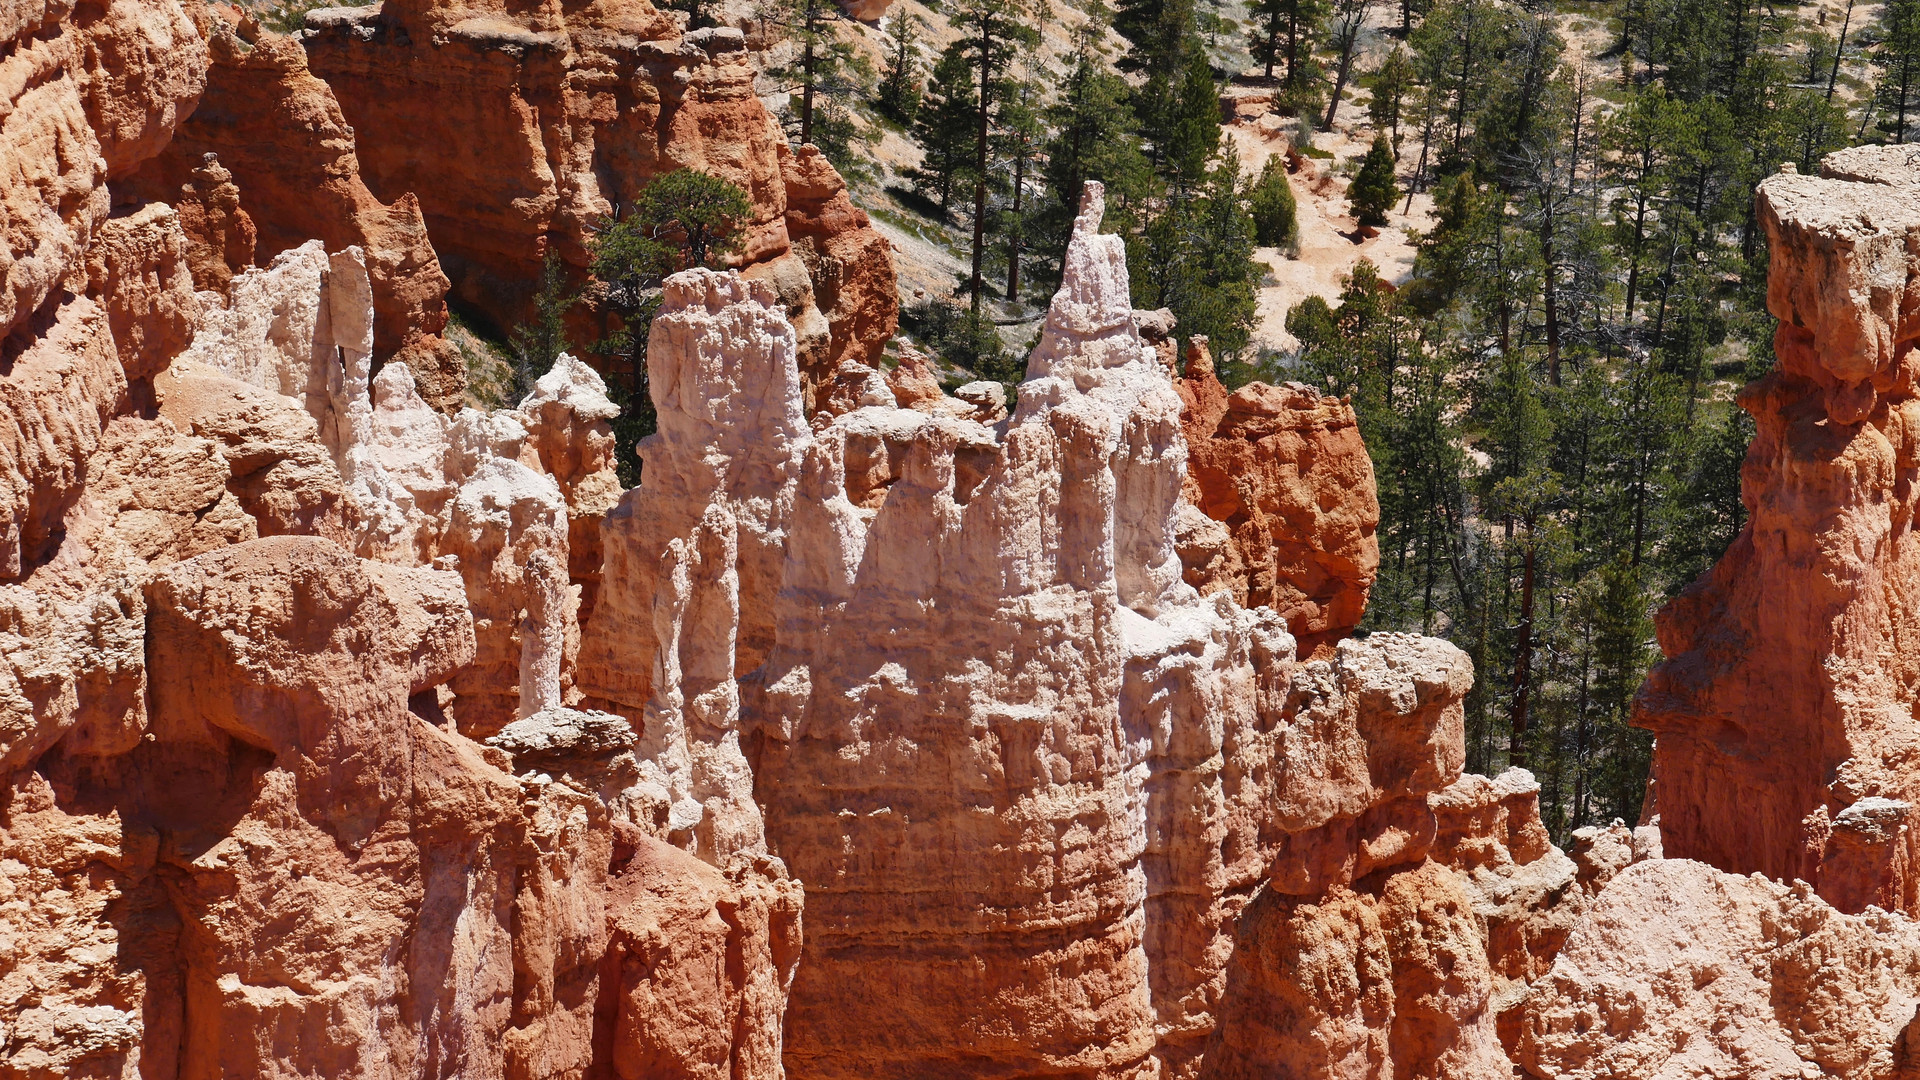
point(1285, 497)
point(565, 116)
point(84, 96)
point(694, 554)
point(1029, 778)
point(1783, 714)
point(279, 142)
point(1361, 956)
point(695, 977)
point(237, 834)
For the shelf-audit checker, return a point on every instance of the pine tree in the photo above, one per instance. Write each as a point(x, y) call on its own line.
point(900, 86)
point(1283, 32)
point(944, 128)
point(824, 72)
point(1272, 205)
point(1642, 141)
point(1343, 37)
point(1897, 95)
point(1196, 258)
point(993, 34)
point(1390, 84)
point(1093, 139)
point(1019, 144)
point(1185, 145)
point(681, 219)
point(1373, 192)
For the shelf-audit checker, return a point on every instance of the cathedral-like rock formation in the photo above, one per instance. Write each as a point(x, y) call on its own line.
point(238, 581)
point(1033, 783)
point(898, 737)
point(565, 113)
point(1783, 715)
point(1284, 494)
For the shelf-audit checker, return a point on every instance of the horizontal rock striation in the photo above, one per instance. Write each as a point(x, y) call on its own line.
point(1030, 780)
point(251, 595)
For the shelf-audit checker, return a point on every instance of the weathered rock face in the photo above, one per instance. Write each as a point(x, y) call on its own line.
point(1285, 494)
point(237, 834)
point(1361, 955)
point(1029, 778)
point(309, 767)
point(696, 956)
point(694, 554)
point(1784, 744)
point(567, 114)
point(278, 139)
point(85, 95)
point(1680, 970)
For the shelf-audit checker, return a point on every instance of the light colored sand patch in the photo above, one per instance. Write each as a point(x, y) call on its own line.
point(1328, 252)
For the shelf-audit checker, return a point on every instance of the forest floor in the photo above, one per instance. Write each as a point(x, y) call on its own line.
point(1330, 242)
point(931, 255)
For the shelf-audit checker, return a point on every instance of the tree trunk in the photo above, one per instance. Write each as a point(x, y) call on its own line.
point(1523, 658)
point(806, 72)
point(1350, 36)
point(1013, 235)
point(1839, 49)
point(1550, 272)
point(975, 284)
point(1633, 257)
point(1426, 143)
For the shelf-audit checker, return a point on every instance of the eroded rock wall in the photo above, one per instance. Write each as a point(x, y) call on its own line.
point(565, 113)
point(1783, 714)
point(1685, 971)
point(1031, 780)
point(278, 136)
point(1283, 501)
point(238, 833)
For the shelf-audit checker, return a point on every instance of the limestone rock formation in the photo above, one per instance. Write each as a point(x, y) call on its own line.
point(343, 736)
point(1527, 894)
point(1285, 491)
point(236, 833)
point(85, 95)
point(566, 115)
point(693, 555)
point(1362, 956)
point(696, 955)
point(1680, 970)
point(138, 266)
point(279, 141)
point(1782, 714)
point(1027, 776)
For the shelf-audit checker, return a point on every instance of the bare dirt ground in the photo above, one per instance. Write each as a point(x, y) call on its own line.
point(1329, 246)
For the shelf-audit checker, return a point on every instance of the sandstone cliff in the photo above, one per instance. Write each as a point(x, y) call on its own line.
point(562, 115)
point(239, 578)
point(1285, 497)
point(1783, 713)
point(278, 138)
point(951, 674)
point(343, 736)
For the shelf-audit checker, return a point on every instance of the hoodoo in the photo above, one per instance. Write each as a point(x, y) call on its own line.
point(882, 730)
